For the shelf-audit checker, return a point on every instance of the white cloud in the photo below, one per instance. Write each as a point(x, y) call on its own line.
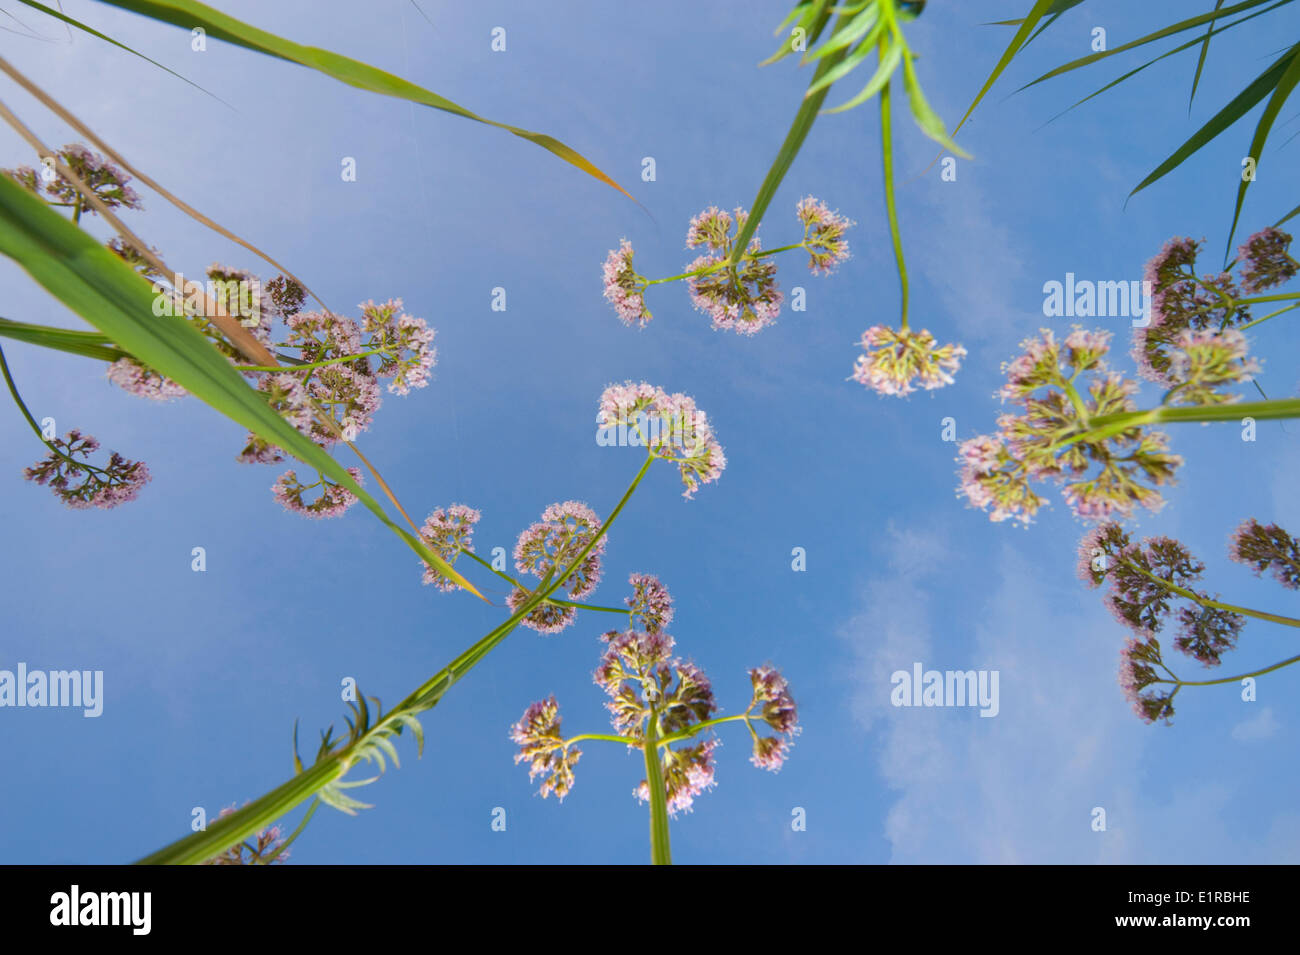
point(1021, 787)
point(1262, 726)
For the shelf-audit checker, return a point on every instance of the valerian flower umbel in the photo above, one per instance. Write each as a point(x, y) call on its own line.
point(448, 533)
point(142, 381)
point(546, 548)
point(1105, 474)
point(1152, 583)
point(538, 735)
point(328, 387)
point(103, 178)
point(657, 699)
point(671, 427)
point(1267, 547)
point(1265, 260)
point(893, 359)
point(1190, 308)
point(330, 391)
point(332, 500)
point(81, 484)
point(740, 296)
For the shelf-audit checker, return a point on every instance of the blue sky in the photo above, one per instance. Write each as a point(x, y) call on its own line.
point(205, 673)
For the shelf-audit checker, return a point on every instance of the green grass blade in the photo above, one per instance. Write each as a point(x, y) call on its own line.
point(110, 295)
point(925, 115)
point(1200, 62)
point(857, 28)
point(189, 14)
point(1036, 13)
point(1054, 12)
point(1290, 215)
point(1280, 93)
point(1242, 103)
point(803, 122)
point(86, 344)
point(846, 66)
point(811, 12)
point(1160, 34)
point(224, 832)
point(888, 64)
point(60, 15)
point(1168, 53)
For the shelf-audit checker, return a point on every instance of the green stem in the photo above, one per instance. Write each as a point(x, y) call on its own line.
point(18, 400)
point(314, 364)
point(86, 344)
point(550, 600)
point(258, 814)
point(1238, 677)
point(606, 737)
point(688, 733)
point(725, 263)
point(887, 154)
point(1207, 602)
point(1067, 385)
point(798, 132)
point(660, 848)
point(1267, 317)
point(1105, 426)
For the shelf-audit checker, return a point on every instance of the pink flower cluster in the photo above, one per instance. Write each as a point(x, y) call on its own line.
point(646, 686)
point(893, 359)
point(548, 547)
point(624, 289)
point(644, 681)
point(1146, 581)
point(538, 736)
point(117, 483)
point(130, 375)
point(1264, 547)
point(104, 179)
point(650, 602)
point(447, 533)
point(1197, 314)
point(740, 296)
point(1265, 260)
point(670, 426)
point(333, 500)
point(823, 235)
point(1105, 475)
point(337, 400)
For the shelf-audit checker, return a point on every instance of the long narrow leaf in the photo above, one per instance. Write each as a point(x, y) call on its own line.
point(1200, 62)
point(60, 15)
point(925, 115)
point(803, 122)
point(106, 292)
point(1163, 56)
point(884, 70)
point(1160, 34)
point(1275, 103)
point(1018, 41)
point(86, 344)
point(189, 14)
point(1290, 215)
point(1241, 104)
